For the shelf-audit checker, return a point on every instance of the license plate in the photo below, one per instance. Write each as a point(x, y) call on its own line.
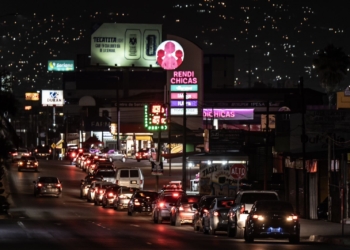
point(133, 182)
point(275, 230)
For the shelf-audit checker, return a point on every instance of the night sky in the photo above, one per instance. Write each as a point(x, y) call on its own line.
point(276, 40)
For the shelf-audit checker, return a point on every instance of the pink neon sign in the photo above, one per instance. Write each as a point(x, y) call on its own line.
point(180, 96)
point(183, 77)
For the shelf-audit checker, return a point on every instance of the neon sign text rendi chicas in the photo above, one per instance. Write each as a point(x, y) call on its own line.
point(231, 114)
point(183, 77)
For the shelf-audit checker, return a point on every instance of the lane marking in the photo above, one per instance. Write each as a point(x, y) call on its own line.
point(24, 229)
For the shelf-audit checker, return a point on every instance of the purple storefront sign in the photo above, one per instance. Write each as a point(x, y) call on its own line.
point(181, 103)
point(229, 114)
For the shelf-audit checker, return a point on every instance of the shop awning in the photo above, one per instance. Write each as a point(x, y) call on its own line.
point(143, 137)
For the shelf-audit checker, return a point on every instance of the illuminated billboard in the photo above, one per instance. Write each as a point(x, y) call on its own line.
point(126, 45)
point(228, 114)
point(52, 98)
point(32, 96)
point(60, 65)
point(170, 55)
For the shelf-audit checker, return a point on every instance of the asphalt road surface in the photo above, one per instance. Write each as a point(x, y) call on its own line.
point(72, 223)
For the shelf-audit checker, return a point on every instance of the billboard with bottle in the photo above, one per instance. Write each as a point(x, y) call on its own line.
point(125, 44)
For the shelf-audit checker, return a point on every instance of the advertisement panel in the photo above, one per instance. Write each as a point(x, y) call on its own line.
point(60, 65)
point(32, 96)
point(52, 98)
point(126, 45)
point(229, 114)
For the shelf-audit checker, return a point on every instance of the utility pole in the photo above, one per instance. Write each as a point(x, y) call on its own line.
point(304, 140)
point(184, 177)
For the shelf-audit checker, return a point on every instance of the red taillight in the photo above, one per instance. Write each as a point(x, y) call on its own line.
point(40, 185)
point(88, 161)
point(73, 154)
point(20, 163)
point(136, 202)
point(58, 185)
point(242, 209)
point(14, 154)
point(205, 211)
point(181, 208)
point(101, 191)
point(110, 195)
point(161, 204)
point(36, 150)
point(216, 213)
point(175, 194)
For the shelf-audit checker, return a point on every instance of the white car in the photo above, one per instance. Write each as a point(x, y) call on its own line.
point(115, 155)
point(17, 154)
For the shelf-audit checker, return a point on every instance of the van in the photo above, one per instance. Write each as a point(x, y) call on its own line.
point(130, 177)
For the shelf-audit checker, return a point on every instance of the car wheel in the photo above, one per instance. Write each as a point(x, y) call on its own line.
point(159, 219)
point(249, 238)
point(177, 221)
point(230, 231)
point(295, 239)
point(154, 218)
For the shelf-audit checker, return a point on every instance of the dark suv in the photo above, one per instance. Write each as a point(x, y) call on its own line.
point(43, 152)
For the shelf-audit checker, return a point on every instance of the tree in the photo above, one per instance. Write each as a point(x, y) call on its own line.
point(8, 108)
point(331, 65)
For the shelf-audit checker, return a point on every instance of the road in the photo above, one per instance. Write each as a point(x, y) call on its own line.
point(71, 223)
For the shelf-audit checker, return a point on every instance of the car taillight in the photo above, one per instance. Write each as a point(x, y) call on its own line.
point(205, 211)
point(110, 195)
point(73, 154)
point(258, 217)
point(161, 204)
point(88, 161)
point(181, 208)
point(58, 185)
point(36, 164)
point(101, 191)
point(293, 217)
point(36, 150)
point(136, 202)
point(242, 209)
point(20, 163)
point(40, 185)
point(216, 213)
point(14, 154)
point(175, 194)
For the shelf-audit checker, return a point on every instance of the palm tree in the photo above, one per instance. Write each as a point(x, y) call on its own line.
point(331, 65)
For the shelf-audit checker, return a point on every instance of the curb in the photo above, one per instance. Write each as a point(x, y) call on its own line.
point(336, 240)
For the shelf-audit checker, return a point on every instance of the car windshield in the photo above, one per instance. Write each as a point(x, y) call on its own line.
point(48, 180)
point(170, 199)
point(275, 206)
point(28, 158)
point(190, 199)
point(105, 174)
point(250, 198)
point(151, 195)
point(225, 203)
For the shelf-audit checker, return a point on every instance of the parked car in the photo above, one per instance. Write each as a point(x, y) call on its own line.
point(244, 201)
point(28, 163)
point(115, 155)
point(4, 205)
point(272, 219)
point(130, 177)
point(203, 206)
point(18, 153)
point(322, 209)
point(216, 217)
point(123, 197)
point(142, 202)
point(43, 152)
point(184, 209)
point(146, 154)
point(163, 206)
point(48, 186)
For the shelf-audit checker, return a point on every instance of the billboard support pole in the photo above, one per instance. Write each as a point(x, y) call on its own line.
point(184, 177)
